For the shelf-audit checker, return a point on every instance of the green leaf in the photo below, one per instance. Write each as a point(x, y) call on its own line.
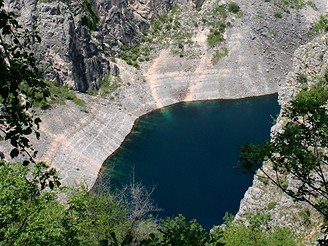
point(37, 121)
point(51, 185)
point(14, 153)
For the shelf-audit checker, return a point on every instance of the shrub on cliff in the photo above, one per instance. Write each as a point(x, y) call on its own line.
point(233, 7)
point(299, 151)
point(257, 232)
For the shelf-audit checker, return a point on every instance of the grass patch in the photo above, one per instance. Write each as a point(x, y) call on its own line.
point(221, 11)
point(302, 79)
point(305, 215)
point(214, 38)
point(233, 8)
point(287, 5)
point(218, 54)
point(277, 15)
point(272, 32)
point(272, 205)
point(321, 26)
point(59, 94)
point(283, 182)
point(110, 84)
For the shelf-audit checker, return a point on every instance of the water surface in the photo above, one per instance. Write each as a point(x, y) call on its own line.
point(188, 151)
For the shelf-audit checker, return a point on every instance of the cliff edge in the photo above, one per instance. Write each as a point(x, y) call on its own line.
point(310, 60)
point(77, 140)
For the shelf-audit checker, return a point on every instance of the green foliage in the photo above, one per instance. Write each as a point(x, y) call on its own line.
point(58, 95)
point(287, 5)
point(109, 85)
point(257, 233)
point(20, 82)
point(272, 32)
point(321, 26)
point(305, 215)
point(90, 218)
point(178, 231)
point(277, 15)
point(302, 79)
point(299, 150)
point(218, 54)
point(30, 213)
point(135, 54)
point(89, 17)
point(25, 207)
point(233, 7)
point(215, 37)
point(221, 10)
point(272, 205)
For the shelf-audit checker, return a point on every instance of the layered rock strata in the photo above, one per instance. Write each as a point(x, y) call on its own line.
point(72, 54)
point(78, 140)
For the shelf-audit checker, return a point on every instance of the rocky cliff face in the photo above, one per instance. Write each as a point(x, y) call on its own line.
point(310, 60)
point(78, 140)
point(260, 48)
point(74, 55)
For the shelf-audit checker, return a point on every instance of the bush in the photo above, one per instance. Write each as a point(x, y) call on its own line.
point(256, 233)
point(301, 78)
point(214, 37)
point(233, 7)
point(277, 15)
point(179, 232)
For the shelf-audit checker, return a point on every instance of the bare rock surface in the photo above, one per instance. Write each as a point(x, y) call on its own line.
point(311, 60)
point(78, 140)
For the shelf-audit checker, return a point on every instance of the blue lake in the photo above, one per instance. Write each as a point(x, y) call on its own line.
point(188, 151)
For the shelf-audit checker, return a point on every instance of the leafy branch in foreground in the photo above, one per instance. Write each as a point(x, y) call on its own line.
point(299, 151)
point(21, 85)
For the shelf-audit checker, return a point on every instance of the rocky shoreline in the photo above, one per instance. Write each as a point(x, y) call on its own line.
point(77, 140)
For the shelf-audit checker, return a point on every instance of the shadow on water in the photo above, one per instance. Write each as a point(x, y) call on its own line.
point(189, 151)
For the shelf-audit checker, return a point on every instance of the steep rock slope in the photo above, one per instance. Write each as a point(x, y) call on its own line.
point(70, 52)
point(74, 55)
point(78, 140)
point(310, 60)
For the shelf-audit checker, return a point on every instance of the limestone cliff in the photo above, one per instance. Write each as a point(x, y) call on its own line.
point(78, 140)
point(259, 43)
point(74, 55)
point(310, 60)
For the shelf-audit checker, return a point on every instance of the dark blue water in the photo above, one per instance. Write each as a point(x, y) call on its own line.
point(189, 151)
